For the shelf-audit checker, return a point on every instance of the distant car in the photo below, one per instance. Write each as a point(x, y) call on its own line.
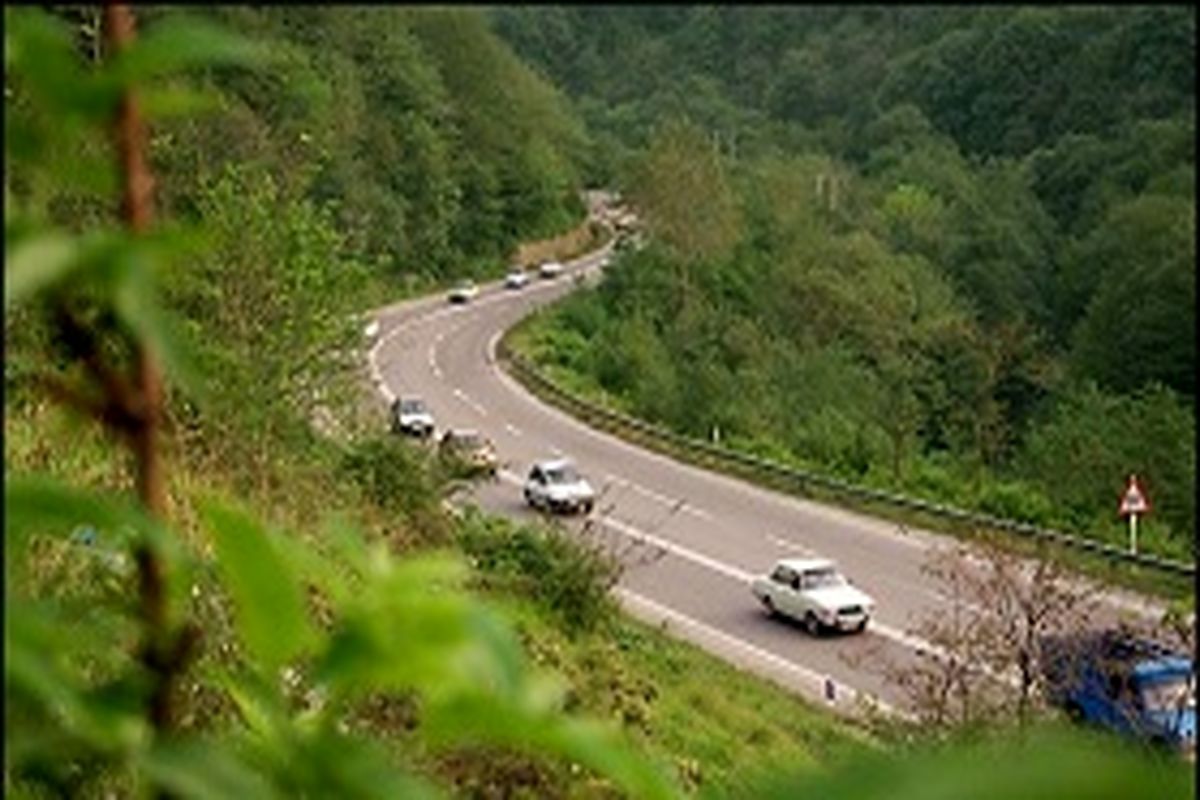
point(517, 278)
point(558, 487)
point(814, 592)
point(410, 416)
point(550, 269)
point(464, 292)
point(1127, 684)
point(470, 448)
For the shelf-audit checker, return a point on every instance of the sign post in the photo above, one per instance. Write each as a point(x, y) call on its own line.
point(1133, 504)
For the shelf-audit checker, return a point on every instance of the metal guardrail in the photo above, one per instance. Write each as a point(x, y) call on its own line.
point(608, 418)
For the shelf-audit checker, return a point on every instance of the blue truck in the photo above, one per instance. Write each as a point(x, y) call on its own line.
point(1124, 683)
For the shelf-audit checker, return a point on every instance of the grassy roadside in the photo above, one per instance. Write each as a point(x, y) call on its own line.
point(527, 338)
point(685, 709)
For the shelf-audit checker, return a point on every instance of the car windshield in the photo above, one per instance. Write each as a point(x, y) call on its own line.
point(413, 406)
point(1169, 695)
point(823, 578)
point(563, 474)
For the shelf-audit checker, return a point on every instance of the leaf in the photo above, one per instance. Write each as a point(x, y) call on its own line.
point(340, 766)
point(176, 101)
point(44, 505)
point(1042, 765)
point(38, 645)
point(546, 731)
point(202, 770)
point(138, 307)
point(37, 262)
point(179, 42)
point(271, 616)
point(39, 49)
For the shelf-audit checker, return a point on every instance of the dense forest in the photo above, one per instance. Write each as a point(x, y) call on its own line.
point(949, 250)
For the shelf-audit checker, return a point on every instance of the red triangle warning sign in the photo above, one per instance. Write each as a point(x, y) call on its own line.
point(1133, 501)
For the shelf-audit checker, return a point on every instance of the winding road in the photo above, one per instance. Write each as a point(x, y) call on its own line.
point(692, 539)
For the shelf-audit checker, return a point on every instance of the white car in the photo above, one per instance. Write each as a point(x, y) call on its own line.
point(516, 279)
point(464, 292)
point(410, 416)
point(812, 591)
point(558, 487)
point(550, 269)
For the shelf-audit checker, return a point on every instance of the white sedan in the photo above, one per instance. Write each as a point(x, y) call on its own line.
point(464, 292)
point(550, 269)
point(557, 486)
point(812, 591)
point(517, 278)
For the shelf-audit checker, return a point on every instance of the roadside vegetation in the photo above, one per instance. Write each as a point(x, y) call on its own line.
point(204, 596)
point(849, 273)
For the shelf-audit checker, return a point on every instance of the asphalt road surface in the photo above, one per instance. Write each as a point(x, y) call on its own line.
point(692, 539)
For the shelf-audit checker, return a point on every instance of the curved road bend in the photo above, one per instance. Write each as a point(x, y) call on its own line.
point(695, 538)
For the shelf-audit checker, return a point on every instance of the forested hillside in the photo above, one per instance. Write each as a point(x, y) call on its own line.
point(950, 250)
point(433, 145)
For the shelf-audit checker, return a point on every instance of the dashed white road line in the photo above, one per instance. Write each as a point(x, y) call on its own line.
point(789, 545)
point(683, 505)
point(463, 396)
point(736, 573)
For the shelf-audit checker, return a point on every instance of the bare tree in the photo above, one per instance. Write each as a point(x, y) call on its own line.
point(983, 661)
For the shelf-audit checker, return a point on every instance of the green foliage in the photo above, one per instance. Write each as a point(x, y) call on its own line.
point(892, 288)
point(1094, 440)
point(86, 712)
point(394, 476)
point(1045, 764)
point(569, 578)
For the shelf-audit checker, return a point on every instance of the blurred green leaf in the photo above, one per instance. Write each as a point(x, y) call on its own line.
point(139, 307)
point(179, 42)
point(537, 730)
point(411, 626)
point(37, 643)
point(36, 262)
point(271, 615)
point(177, 101)
point(203, 770)
point(1049, 764)
point(340, 766)
point(41, 55)
point(44, 505)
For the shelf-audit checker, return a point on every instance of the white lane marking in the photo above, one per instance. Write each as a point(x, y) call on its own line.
point(377, 315)
point(491, 346)
point(755, 493)
point(813, 683)
point(513, 429)
point(683, 504)
point(737, 573)
point(789, 545)
point(463, 396)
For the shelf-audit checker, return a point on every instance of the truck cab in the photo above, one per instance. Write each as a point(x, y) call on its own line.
point(1129, 685)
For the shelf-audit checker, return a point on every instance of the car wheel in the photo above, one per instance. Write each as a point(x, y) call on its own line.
point(769, 605)
point(812, 625)
point(860, 627)
point(587, 507)
point(529, 498)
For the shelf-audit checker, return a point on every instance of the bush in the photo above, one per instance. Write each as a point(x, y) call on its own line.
point(396, 476)
point(568, 577)
point(1015, 500)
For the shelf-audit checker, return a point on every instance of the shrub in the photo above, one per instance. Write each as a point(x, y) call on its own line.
point(569, 577)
